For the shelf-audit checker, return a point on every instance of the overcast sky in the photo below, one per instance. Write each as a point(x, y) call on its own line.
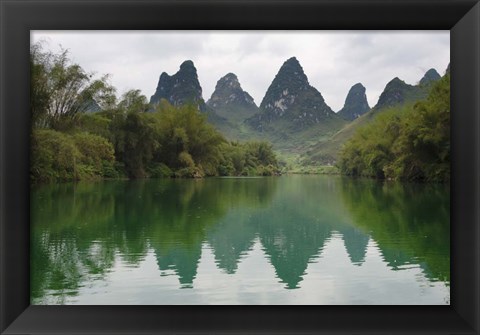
point(332, 61)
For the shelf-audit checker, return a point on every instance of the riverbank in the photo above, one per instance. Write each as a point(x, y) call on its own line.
point(323, 169)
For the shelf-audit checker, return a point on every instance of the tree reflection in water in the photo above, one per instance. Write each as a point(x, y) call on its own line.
point(80, 232)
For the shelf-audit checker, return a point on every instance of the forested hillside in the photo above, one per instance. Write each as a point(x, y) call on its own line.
point(411, 142)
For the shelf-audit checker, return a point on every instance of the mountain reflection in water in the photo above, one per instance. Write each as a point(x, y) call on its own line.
point(273, 240)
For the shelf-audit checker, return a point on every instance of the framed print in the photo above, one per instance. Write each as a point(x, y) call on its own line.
point(179, 213)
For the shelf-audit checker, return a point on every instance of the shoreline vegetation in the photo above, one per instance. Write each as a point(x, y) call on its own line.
point(407, 143)
point(82, 131)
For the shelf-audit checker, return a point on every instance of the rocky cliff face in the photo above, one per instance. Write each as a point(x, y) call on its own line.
point(291, 98)
point(181, 88)
point(356, 103)
point(228, 93)
point(429, 77)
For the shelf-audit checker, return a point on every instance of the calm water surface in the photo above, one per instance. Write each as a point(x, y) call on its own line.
point(273, 240)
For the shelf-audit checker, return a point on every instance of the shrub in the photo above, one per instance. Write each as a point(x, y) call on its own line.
point(64, 157)
point(97, 155)
point(159, 170)
point(53, 156)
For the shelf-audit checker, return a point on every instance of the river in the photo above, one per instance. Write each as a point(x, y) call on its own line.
point(321, 240)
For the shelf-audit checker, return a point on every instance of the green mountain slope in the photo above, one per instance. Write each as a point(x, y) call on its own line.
point(293, 114)
point(228, 108)
point(396, 93)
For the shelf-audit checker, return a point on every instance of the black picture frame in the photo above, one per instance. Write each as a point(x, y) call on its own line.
point(18, 17)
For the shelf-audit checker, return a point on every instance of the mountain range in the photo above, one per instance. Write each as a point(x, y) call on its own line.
point(293, 115)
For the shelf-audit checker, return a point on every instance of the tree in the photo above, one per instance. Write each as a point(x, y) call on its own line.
point(39, 90)
point(139, 143)
point(134, 101)
point(423, 145)
point(183, 130)
point(61, 89)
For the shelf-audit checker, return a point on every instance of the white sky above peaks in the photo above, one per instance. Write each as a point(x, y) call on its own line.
point(332, 60)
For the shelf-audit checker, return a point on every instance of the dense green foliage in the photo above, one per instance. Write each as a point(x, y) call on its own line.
point(246, 159)
point(61, 90)
point(63, 156)
point(80, 131)
point(406, 143)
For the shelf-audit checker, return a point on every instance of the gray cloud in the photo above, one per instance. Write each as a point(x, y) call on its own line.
point(333, 61)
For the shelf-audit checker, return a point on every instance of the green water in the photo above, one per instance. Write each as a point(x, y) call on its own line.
point(273, 240)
